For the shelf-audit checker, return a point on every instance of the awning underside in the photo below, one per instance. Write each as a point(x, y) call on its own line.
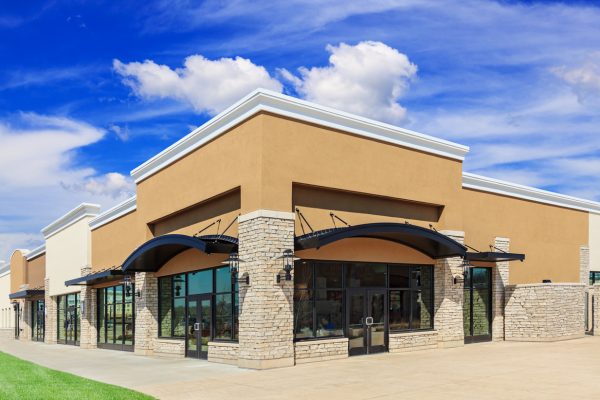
point(152, 255)
point(492, 256)
point(26, 294)
point(427, 241)
point(95, 278)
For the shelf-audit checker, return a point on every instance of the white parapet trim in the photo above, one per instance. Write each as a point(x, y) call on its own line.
point(485, 184)
point(262, 100)
point(38, 251)
point(81, 211)
point(121, 209)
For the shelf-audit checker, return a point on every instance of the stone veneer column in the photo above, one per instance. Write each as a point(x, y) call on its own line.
point(595, 311)
point(449, 297)
point(146, 312)
point(584, 265)
point(26, 331)
point(500, 274)
point(89, 332)
point(50, 333)
point(266, 337)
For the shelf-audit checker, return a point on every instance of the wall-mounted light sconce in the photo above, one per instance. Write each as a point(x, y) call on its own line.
point(138, 293)
point(234, 268)
point(128, 285)
point(288, 258)
point(466, 264)
point(15, 306)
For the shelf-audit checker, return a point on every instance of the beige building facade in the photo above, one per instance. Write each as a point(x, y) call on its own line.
point(282, 232)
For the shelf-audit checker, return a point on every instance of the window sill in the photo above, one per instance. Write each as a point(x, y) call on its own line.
point(174, 339)
point(414, 332)
point(322, 338)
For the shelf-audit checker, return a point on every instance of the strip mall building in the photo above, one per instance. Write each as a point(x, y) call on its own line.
point(282, 232)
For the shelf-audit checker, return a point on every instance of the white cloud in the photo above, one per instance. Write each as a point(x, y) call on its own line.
point(584, 79)
point(41, 176)
point(208, 86)
point(121, 132)
point(367, 79)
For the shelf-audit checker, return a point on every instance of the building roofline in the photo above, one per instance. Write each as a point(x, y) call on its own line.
point(38, 251)
point(262, 100)
point(497, 186)
point(121, 209)
point(76, 214)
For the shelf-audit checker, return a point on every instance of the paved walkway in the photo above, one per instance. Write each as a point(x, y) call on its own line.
point(504, 370)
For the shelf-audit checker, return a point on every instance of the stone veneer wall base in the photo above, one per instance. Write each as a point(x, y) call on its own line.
point(321, 350)
point(415, 341)
point(223, 352)
point(545, 311)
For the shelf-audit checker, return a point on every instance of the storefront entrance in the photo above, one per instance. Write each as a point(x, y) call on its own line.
point(68, 319)
point(477, 306)
point(198, 326)
point(17, 308)
point(38, 320)
point(366, 321)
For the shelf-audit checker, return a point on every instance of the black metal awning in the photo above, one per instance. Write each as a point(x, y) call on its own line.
point(427, 241)
point(153, 254)
point(494, 256)
point(26, 294)
point(95, 278)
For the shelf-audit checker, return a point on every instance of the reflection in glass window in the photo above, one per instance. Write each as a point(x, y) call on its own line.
point(328, 307)
point(366, 275)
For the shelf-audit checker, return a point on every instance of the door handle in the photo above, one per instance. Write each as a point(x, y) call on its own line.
point(369, 321)
point(197, 326)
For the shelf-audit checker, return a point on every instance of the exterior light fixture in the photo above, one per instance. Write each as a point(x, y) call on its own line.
point(288, 258)
point(466, 264)
point(138, 293)
point(234, 268)
point(127, 282)
point(15, 306)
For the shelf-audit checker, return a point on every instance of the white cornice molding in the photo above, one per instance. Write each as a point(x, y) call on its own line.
point(267, 214)
point(121, 209)
point(262, 100)
point(485, 184)
point(78, 213)
point(38, 251)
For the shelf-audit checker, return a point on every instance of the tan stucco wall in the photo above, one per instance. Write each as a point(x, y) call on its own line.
point(36, 271)
point(18, 271)
point(549, 236)
point(7, 318)
point(371, 250)
point(66, 253)
point(191, 260)
point(279, 163)
point(113, 242)
point(594, 242)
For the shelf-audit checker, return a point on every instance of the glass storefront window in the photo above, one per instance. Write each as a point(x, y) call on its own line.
point(69, 324)
point(215, 282)
point(116, 320)
point(321, 312)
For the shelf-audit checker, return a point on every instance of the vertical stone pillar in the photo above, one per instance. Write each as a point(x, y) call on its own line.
point(50, 334)
point(595, 309)
point(146, 312)
point(584, 265)
point(89, 331)
point(449, 297)
point(266, 337)
point(26, 321)
point(500, 274)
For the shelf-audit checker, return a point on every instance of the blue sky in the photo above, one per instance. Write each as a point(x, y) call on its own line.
point(91, 89)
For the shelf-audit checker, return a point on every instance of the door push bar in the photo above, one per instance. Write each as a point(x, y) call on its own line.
point(197, 326)
point(369, 321)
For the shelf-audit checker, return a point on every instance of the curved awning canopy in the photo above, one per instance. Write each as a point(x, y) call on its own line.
point(427, 241)
point(26, 294)
point(153, 254)
point(495, 256)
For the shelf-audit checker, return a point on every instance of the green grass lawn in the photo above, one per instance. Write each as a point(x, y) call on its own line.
point(24, 380)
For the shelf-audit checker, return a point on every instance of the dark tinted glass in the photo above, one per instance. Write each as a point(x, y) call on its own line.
point(165, 306)
point(200, 282)
point(179, 285)
point(302, 275)
point(328, 275)
point(399, 315)
point(366, 275)
point(303, 314)
point(398, 276)
point(328, 307)
point(223, 316)
point(223, 277)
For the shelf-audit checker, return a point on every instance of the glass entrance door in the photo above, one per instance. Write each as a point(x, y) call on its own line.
point(366, 316)
point(477, 305)
point(38, 320)
point(198, 326)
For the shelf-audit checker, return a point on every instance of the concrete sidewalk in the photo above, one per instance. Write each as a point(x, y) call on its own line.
point(504, 370)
